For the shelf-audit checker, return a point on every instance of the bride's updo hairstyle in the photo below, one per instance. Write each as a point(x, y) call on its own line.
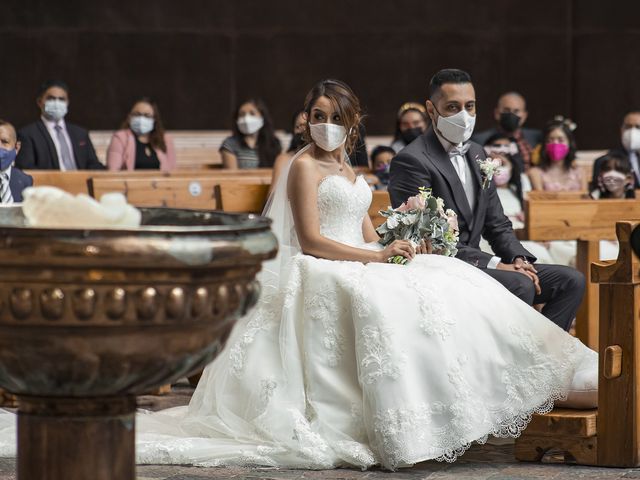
point(344, 101)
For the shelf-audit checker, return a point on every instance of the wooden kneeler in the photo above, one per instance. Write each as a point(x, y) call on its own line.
point(610, 435)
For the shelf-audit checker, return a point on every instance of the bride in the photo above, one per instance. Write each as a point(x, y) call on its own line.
point(350, 361)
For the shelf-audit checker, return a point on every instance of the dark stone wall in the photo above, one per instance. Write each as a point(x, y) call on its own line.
point(199, 57)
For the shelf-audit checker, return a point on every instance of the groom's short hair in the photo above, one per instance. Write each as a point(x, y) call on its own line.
point(447, 75)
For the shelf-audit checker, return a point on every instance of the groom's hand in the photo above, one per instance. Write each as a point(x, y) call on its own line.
point(522, 264)
point(524, 268)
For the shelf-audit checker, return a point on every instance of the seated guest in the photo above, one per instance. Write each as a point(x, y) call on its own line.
point(556, 171)
point(50, 143)
point(299, 125)
point(510, 188)
point(142, 142)
point(615, 179)
point(411, 122)
point(297, 134)
point(502, 146)
point(629, 148)
point(510, 115)
point(359, 156)
point(381, 157)
point(253, 143)
point(12, 180)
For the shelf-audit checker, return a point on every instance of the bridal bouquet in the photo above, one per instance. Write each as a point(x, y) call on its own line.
point(421, 216)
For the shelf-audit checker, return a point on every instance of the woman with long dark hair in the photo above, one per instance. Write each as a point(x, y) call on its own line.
point(556, 170)
point(253, 143)
point(141, 142)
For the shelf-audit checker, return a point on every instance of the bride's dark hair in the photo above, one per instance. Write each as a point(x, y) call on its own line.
point(344, 101)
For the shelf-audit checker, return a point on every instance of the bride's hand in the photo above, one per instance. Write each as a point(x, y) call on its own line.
point(424, 247)
point(398, 247)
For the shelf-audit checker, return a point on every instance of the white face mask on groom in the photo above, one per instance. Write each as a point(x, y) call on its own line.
point(456, 128)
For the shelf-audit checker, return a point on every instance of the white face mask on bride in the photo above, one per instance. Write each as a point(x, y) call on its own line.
point(328, 136)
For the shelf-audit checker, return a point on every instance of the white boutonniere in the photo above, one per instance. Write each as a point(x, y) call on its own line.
point(488, 167)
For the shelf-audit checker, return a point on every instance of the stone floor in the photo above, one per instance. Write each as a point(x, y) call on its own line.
point(494, 462)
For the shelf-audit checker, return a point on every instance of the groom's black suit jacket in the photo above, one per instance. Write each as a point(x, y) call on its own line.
point(424, 163)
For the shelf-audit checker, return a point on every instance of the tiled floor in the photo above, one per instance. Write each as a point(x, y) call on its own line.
point(494, 462)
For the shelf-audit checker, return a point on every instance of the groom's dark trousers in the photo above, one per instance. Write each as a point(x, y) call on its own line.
point(425, 163)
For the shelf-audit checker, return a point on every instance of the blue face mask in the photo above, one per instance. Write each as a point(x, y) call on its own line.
point(7, 157)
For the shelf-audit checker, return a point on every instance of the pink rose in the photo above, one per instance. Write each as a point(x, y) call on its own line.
point(403, 208)
point(415, 203)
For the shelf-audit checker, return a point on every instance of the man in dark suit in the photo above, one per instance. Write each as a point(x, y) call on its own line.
point(444, 160)
point(52, 144)
point(510, 114)
point(12, 180)
point(629, 148)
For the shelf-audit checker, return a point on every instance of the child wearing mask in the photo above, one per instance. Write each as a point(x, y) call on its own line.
point(615, 179)
point(511, 185)
point(253, 143)
point(12, 180)
point(381, 161)
point(556, 171)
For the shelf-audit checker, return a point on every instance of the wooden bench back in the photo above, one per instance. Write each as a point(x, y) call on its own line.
point(195, 193)
point(577, 219)
point(78, 181)
point(380, 201)
point(242, 197)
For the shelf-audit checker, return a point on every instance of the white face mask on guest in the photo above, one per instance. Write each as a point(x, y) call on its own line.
point(631, 139)
point(141, 125)
point(328, 136)
point(456, 128)
point(55, 109)
point(250, 124)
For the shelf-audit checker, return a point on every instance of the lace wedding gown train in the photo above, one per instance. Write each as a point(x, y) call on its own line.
point(356, 365)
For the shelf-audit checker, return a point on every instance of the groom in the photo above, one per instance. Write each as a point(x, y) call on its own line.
point(445, 160)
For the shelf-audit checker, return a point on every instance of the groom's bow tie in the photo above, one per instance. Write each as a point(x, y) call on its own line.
point(459, 150)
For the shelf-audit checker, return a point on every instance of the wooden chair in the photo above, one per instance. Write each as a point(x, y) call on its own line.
point(610, 435)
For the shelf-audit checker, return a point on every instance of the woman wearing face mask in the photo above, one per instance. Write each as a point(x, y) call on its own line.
point(253, 143)
point(142, 142)
point(556, 171)
point(615, 179)
point(411, 122)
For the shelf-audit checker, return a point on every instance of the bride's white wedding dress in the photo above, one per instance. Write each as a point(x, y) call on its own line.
point(353, 364)
point(357, 365)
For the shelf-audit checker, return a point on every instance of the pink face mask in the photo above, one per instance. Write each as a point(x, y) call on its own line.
point(557, 151)
point(502, 176)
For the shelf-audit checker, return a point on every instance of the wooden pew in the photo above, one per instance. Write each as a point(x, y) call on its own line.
point(380, 201)
point(195, 192)
point(587, 221)
point(78, 181)
point(241, 197)
point(610, 435)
